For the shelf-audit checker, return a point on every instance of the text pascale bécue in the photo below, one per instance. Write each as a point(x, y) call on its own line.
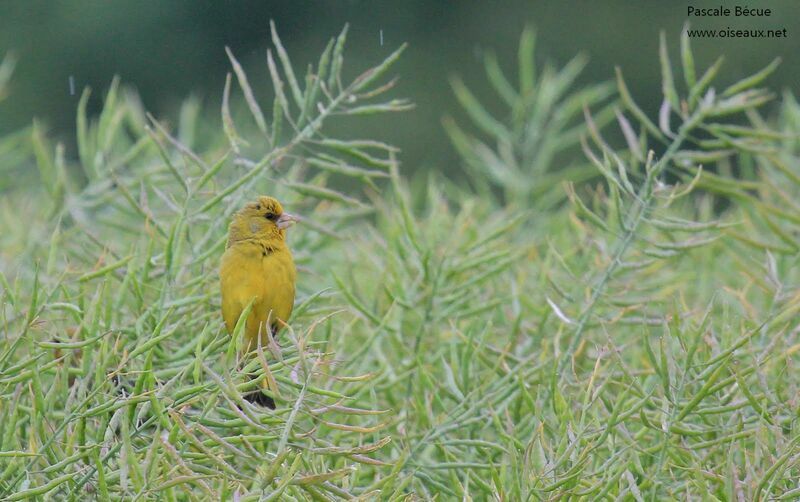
point(736, 11)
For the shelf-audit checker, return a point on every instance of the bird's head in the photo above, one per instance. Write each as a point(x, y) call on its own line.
point(263, 219)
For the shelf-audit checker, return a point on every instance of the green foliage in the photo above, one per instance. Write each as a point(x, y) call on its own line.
point(636, 343)
point(526, 154)
point(134, 384)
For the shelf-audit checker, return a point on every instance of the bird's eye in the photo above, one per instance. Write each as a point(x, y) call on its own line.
point(271, 216)
point(258, 207)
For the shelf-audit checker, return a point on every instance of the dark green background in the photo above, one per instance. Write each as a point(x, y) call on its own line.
point(169, 49)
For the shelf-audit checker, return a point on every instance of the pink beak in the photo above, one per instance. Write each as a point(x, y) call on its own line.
point(285, 220)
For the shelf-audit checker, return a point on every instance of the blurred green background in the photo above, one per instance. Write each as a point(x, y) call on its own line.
point(169, 50)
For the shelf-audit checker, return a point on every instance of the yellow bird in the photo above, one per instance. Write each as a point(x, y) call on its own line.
point(257, 266)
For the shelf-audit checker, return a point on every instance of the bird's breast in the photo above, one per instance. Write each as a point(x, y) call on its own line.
point(253, 272)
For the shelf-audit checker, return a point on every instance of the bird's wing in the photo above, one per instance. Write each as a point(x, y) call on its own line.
point(279, 286)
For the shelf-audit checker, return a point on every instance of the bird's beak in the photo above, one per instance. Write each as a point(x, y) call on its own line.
point(285, 220)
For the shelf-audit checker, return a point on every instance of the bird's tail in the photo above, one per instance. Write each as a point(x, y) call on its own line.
point(259, 398)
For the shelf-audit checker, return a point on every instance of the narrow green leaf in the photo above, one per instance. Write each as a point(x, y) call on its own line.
point(752, 80)
point(477, 112)
point(335, 77)
point(637, 112)
point(687, 58)
point(370, 76)
point(241, 76)
point(667, 81)
point(525, 60)
point(287, 66)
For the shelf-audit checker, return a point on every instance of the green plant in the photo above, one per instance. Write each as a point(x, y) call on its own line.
point(116, 377)
point(528, 151)
point(635, 343)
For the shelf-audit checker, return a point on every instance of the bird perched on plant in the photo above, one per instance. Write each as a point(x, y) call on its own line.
point(257, 266)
